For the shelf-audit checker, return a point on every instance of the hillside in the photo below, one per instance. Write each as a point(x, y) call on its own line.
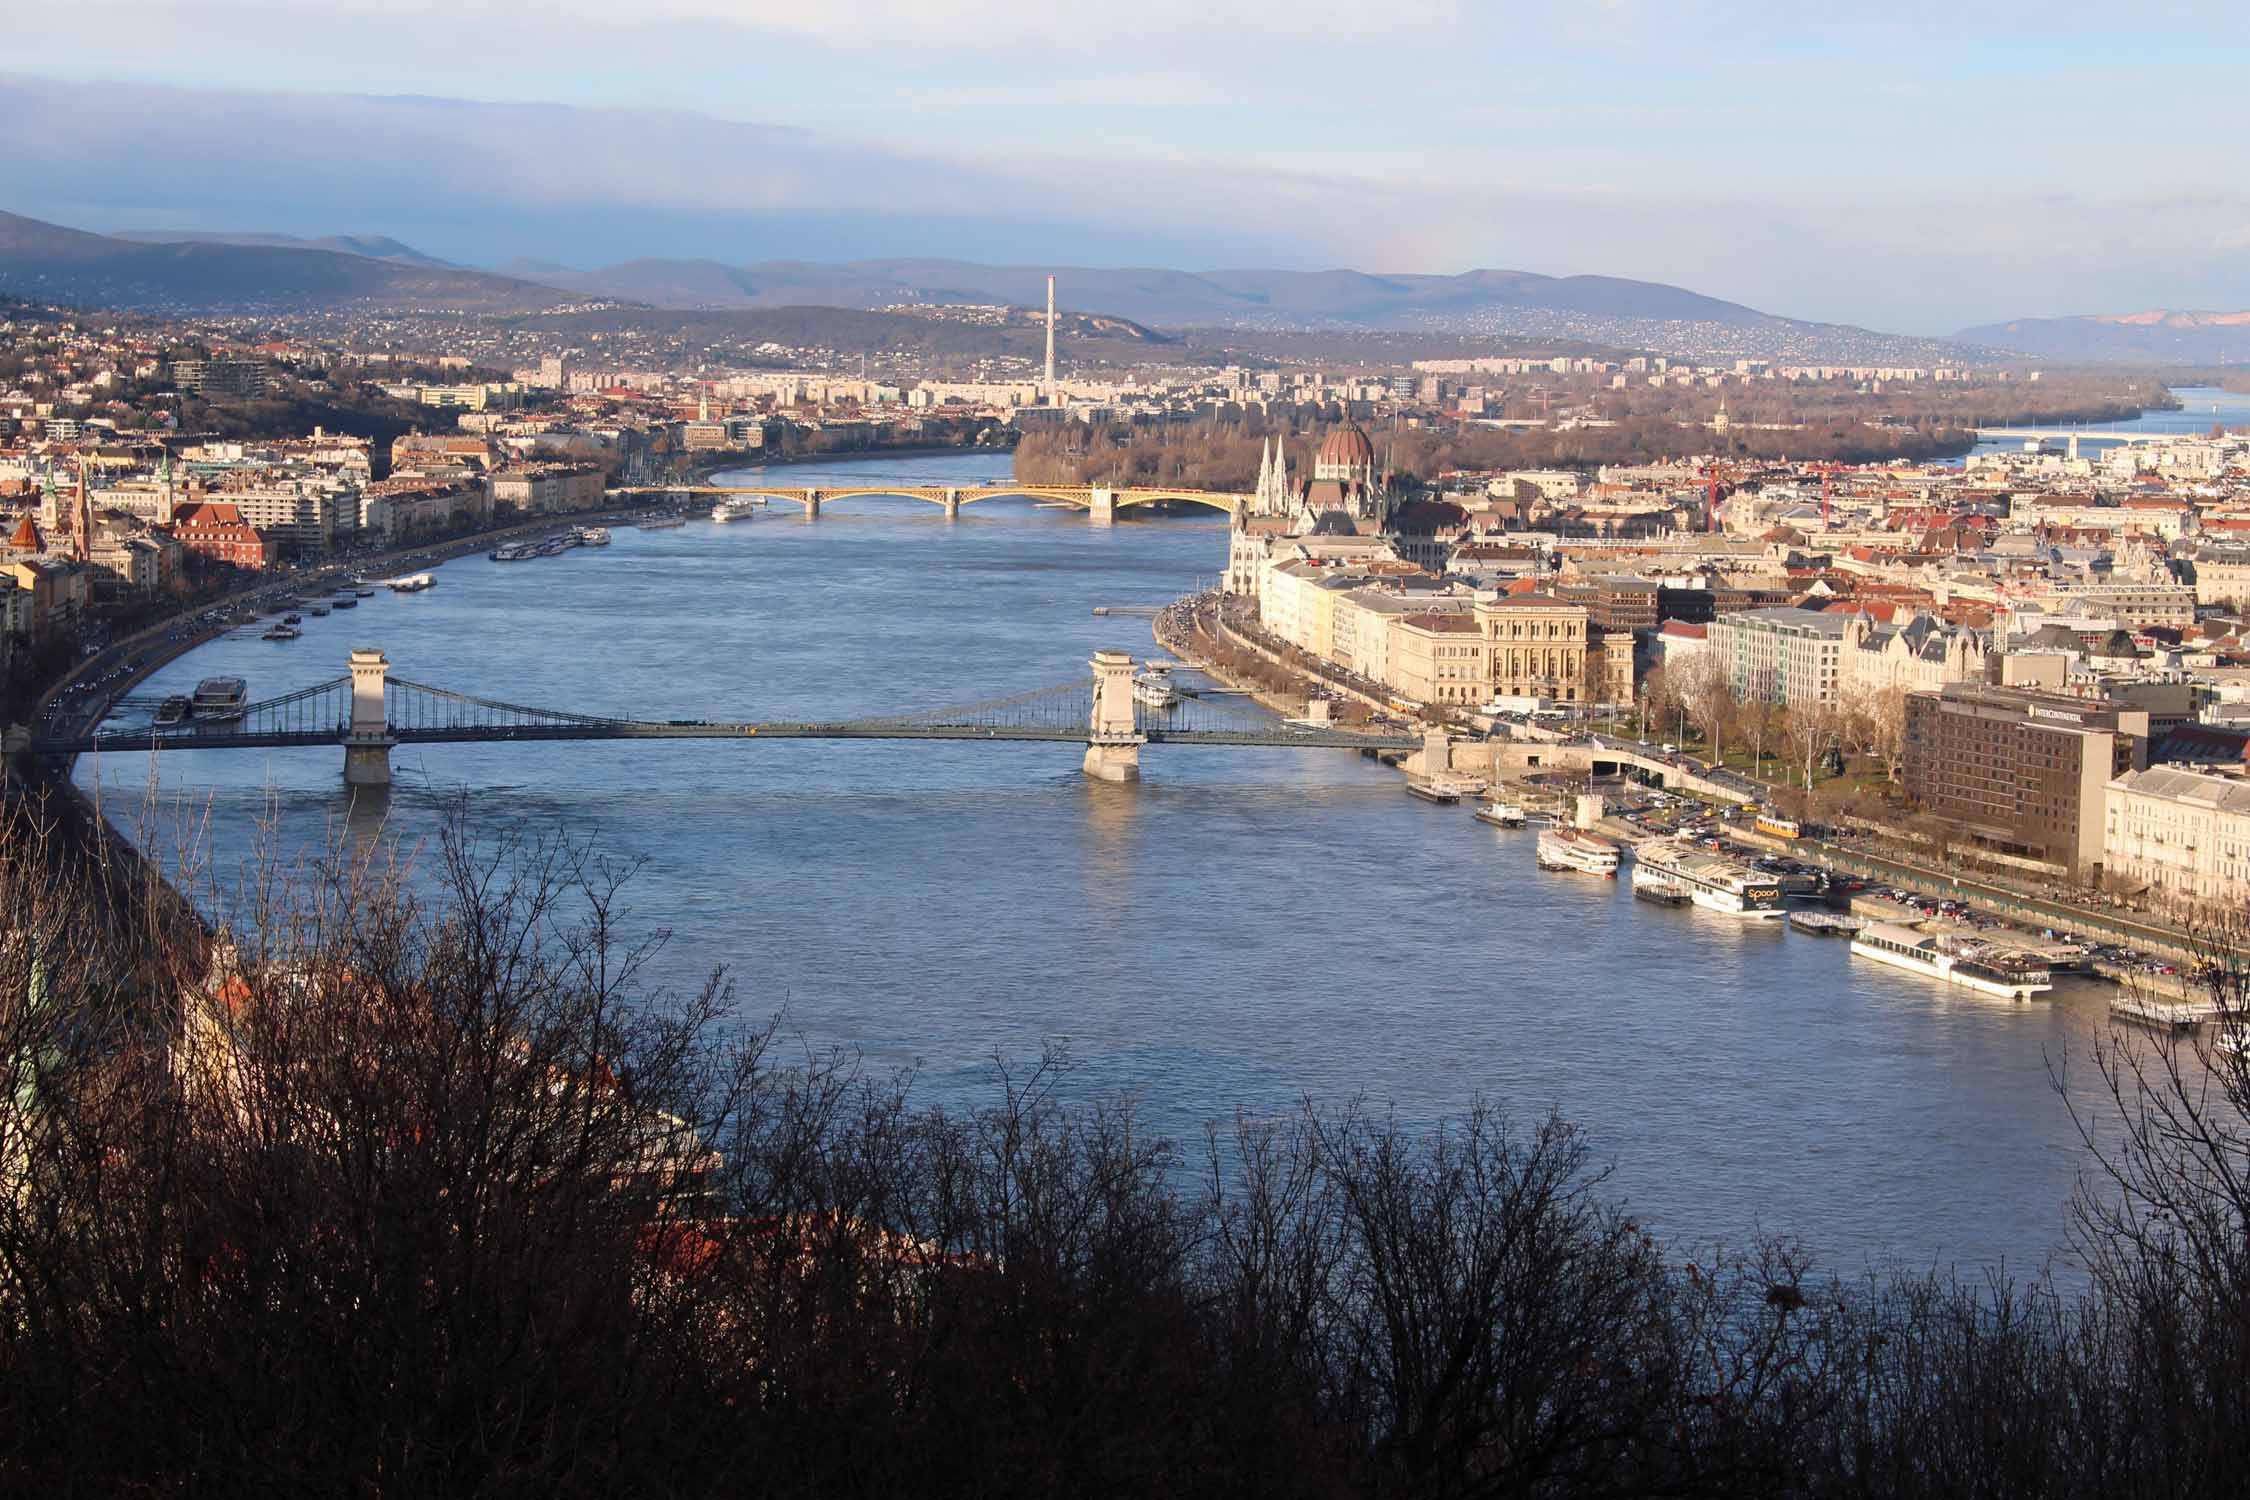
point(372, 246)
point(1149, 295)
point(1501, 305)
point(2159, 336)
point(52, 263)
point(746, 333)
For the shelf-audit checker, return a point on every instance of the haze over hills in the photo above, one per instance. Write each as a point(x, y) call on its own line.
point(373, 246)
point(240, 271)
point(2158, 336)
point(1145, 294)
point(73, 267)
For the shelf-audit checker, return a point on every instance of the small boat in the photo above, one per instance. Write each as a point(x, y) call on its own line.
point(1500, 814)
point(317, 611)
point(343, 601)
point(413, 584)
point(364, 593)
point(282, 633)
point(173, 710)
point(292, 619)
point(1826, 923)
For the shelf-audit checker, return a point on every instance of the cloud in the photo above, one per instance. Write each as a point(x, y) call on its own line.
point(484, 182)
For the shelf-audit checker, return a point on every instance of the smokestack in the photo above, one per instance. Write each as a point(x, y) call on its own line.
point(1050, 341)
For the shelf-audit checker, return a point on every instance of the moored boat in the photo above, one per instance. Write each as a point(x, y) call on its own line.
point(173, 710)
point(1152, 686)
point(734, 508)
point(1576, 849)
point(1713, 881)
point(1662, 890)
point(1969, 963)
point(282, 632)
point(220, 698)
point(1826, 923)
point(1500, 814)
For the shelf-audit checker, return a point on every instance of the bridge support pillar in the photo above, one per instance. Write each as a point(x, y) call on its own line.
point(368, 763)
point(1103, 507)
point(812, 505)
point(1436, 754)
point(1114, 740)
point(367, 742)
point(953, 505)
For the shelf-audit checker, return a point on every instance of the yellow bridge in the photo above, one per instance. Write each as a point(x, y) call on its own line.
point(1100, 502)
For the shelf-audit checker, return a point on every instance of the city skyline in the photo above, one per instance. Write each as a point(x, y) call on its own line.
point(1896, 172)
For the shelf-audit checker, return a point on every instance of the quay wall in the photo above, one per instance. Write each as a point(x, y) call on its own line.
point(2155, 937)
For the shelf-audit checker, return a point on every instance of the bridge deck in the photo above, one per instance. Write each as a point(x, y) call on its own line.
point(493, 734)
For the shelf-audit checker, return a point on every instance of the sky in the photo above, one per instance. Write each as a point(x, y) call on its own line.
point(1914, 167)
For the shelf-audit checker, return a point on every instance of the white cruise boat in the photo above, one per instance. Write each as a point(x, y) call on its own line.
point(593, 536)
point(1713, 881)
point(1576, 849)
point(219, 698)
point(1153, 686)
point(1500, 814)
point(736, 508)
point(1969, 963)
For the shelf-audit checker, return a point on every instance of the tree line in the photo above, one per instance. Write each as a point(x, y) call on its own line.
point(381, 1192)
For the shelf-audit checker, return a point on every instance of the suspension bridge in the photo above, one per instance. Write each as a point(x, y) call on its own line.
point(368, 713)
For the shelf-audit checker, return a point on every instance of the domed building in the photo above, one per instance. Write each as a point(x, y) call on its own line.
point(1345, 493)
point(1348, 455)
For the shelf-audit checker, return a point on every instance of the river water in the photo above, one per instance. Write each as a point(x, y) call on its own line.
point(1241, 929)
point(2200, 406)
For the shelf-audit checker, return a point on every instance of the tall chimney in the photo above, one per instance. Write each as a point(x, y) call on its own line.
point(1051, 341)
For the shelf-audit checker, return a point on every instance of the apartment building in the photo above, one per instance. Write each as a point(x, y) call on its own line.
point(1788, 656)
point(2182, 835)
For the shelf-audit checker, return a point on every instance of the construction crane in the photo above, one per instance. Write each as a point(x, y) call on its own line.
point(1826, 473)
point(1711, 475)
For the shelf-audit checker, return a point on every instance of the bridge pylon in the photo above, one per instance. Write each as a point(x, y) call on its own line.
point(1113, 740)
point(1101, 508)
point(368, 742)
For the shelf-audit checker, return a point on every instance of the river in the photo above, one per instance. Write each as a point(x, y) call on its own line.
point(1243, 928)
point(2200, 406)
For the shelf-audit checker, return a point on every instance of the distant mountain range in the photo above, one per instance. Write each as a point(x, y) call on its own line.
point(173, 271)
point(372, 246)
point(2158, 337)
point(1514, 305)
point(70, 266)
point(1147, 295)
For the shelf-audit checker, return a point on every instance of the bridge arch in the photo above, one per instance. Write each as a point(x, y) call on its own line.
point(1214, 499)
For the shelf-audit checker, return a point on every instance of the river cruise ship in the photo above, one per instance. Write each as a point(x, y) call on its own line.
point(1153, 686)
point(220, 698)
point(736, 508)
point(1713, 881)
point(1967, 962)
point(1576, 849)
